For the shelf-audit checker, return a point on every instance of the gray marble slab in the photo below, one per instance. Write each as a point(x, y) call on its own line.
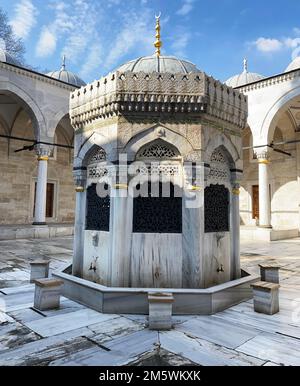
point(116, 327)
point(15, 334)
point(123, 351)
point(204, 353)
point(221, 332)
point(55, 325)
point(4, 318)
point(274, 348)
point(19, 289)
point(261, 322)
point(22, 355)
point(15, 302)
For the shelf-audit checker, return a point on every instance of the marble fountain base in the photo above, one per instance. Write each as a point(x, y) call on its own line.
point(119, 300)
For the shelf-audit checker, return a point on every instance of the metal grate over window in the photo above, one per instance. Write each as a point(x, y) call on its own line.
point(216, 208)
point(157, 214)
point(98, 210)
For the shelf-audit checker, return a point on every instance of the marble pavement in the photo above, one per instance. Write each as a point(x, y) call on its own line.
point(76, 335)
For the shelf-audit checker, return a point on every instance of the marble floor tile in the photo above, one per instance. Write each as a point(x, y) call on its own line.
point(17, 301)
point(274, 348)
point(15, 334)
point(222, 332)
point(55, 325)
point(202, 352)
point(117, 327)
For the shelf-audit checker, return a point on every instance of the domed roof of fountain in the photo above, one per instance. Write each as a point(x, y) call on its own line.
point(161, 63)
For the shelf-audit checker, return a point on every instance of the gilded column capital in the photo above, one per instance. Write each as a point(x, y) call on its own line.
point(262, 155)
point(43, 151)
point(235, 188)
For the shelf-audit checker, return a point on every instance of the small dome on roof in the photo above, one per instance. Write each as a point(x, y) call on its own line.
point(66, 76)
point(156, 63)
point(294, 65)
point(7, 58)
point(244, 78)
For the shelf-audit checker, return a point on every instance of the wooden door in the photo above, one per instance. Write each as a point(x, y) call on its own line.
point(49, 200)
point(255, 202)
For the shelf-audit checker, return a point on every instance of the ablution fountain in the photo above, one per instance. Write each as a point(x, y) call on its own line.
point(157, 119)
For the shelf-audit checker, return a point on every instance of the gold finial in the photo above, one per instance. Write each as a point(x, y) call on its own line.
point(158, 43)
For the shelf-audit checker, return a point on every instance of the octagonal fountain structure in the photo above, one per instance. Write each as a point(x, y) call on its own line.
point(157, 116)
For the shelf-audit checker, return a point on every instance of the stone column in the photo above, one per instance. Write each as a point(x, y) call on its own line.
point(43, 153)
point(79, 226)
point(121, 213)
point(193, 224)
point(264, 192)
point(235, 269)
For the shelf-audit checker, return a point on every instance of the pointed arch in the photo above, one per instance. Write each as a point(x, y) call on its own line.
point(154, 133)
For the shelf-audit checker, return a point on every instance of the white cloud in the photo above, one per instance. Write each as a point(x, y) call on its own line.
point(75, 24)
point(180, 44)
point(186, 7)
point(93, 59)
point(134, 33)
point(46, 45)
point(272, 45)
point(25, 18)
point(268, 45)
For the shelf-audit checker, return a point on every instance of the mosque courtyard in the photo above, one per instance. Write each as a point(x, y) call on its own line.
point(76, 335)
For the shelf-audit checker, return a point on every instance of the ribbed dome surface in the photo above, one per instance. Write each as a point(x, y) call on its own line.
point(244, 77)
point(67, 76)
point(294, 65)
point(161, 64)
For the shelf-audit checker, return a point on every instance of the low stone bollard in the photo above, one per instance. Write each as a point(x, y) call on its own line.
point(160, 310)
point(266, 297)
point(269, 273)
point(47, 294)
point(39, 269)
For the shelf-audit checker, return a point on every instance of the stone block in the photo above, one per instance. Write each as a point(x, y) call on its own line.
point(269, 273)
point(160, 310)
point(266, 297)
point(47, 294)
point(39, 269)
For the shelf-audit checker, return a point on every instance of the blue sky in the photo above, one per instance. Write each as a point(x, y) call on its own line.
point(98, 35)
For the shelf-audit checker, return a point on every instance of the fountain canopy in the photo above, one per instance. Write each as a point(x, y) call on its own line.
point(158, 159)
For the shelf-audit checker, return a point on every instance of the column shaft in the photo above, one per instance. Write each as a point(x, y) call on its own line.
point(264, 194)
point(41, 192)
point(235, 269)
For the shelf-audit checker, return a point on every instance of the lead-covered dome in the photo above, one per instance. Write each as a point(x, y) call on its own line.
point(244, 78)
point(66, 76)
point(7, 58)
point(294, 65)
point(155, 63)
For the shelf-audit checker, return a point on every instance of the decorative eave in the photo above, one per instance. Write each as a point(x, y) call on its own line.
point(130, 93)
point(270, 81)
point(37, 76)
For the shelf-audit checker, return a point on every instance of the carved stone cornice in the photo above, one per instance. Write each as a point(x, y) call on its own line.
point(267, 82)
point(36, 75)
point(143, 94)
